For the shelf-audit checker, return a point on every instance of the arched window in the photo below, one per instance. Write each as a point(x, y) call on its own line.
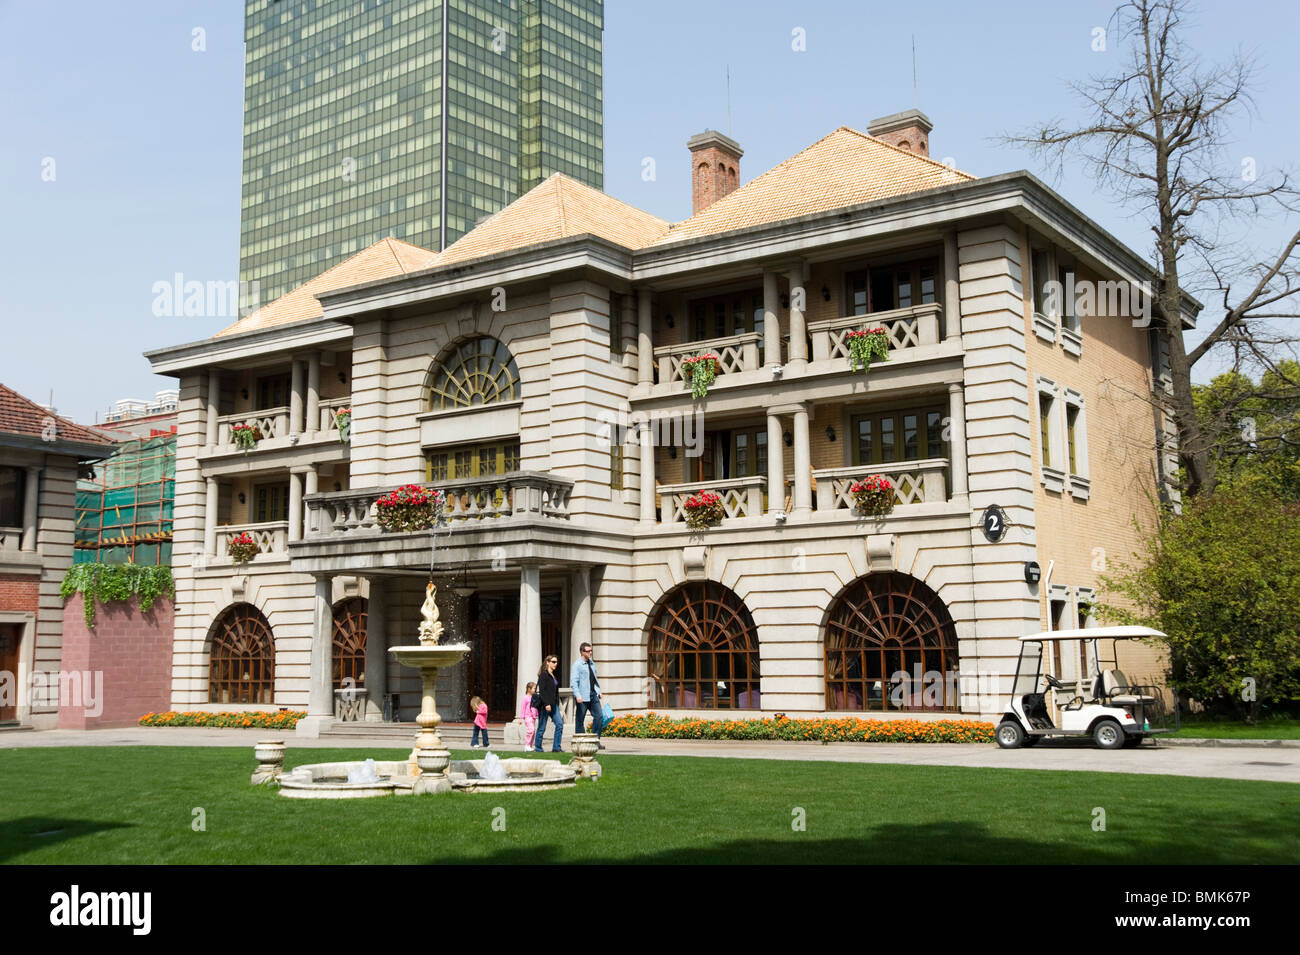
point(703, 650)
point(890, 645)
point(241, 662)
point(349, 661)
point(475, 371)
point(904, 144)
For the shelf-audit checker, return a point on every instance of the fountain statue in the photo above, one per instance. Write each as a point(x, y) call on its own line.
point(430, 757)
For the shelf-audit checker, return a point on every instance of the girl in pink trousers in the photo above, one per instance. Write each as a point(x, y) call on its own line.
point(528, 713)
point(480, 721)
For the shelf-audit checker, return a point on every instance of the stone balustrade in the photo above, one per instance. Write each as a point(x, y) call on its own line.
point(270, 423)
point(907, 327)
point(735, 353)
point(741, 497)
point(915, 482)
point(342, 513)
point(329, 425)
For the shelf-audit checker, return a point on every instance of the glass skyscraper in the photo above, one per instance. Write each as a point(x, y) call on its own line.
point(406, 118)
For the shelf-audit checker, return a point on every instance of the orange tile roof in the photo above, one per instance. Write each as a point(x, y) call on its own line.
point(387, 258)
point(845, 168)
point(842, 169)
point(20, 415)
point(557, 208)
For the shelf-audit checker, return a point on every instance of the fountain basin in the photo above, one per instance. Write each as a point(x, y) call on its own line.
point(330, 780)
point(436, 656)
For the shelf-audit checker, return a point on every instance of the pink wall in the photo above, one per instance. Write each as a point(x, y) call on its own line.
point(128, 656)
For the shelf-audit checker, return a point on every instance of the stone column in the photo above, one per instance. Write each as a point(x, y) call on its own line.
point(295, 505)
point(644, 346)
point(802, 464)
point(580, 611)
point(320, 699)
point(957, 441)
point(295, 399)
point(775, 464)
point(647, 471)
point(210, 520)
point(214, 406)
point(771, 321)
point(376, 649)
point(313, 394)
point(530, 629)
point(798, 329)
point(31, 508)
point(951, 288)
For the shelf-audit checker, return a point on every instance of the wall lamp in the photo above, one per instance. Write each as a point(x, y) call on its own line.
point(343, 378)
point(242, 498)
point(826, 293)
point(672, 452)
point(668, 320)
point(830, 433)
point(243, 393)
point(788, 438)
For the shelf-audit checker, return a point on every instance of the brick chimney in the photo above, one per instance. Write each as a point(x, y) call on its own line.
point(908, 130)
point(715, 168)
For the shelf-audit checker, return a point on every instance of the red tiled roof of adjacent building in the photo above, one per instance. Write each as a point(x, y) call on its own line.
point(20, 415)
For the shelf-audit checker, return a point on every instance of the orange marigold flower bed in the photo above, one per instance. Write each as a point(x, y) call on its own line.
point(839, 730)
point(281, 720)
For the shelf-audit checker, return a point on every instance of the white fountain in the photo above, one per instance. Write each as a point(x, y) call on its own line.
point(430, 758)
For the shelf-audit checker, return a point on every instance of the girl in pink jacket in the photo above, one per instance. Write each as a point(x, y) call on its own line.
point(480, 721)
point(528, 713)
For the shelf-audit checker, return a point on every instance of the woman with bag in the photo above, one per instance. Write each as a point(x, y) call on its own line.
point(548, 692)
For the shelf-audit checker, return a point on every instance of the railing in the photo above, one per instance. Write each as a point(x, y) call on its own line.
point(915, 482)
point(271, 537)
point(907, 328)
point(741, 497)
point(520, 492)
point(735, 353)
point(269, 422)
point(329, 425)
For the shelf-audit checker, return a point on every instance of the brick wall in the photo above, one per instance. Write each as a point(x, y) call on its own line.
point(19, 592)
point(128, 655)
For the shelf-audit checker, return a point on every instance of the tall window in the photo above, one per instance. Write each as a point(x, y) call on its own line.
point(273, 391)
point(476, 371)
point(270, 503)
point(703, 650)
point(349, 658)
point(909, 434)
point(881, 288)
point(890, 644)
point(480, 460)
point(241, 663)
point(13, 491)
point(721, 316)
point(1045, 405)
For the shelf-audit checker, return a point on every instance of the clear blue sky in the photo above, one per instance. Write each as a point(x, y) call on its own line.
point(145, 135)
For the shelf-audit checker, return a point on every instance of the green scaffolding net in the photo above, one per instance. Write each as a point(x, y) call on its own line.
point(124, 514)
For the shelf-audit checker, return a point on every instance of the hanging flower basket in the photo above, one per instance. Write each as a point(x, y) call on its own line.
point(700, 372)
point(242, 548)
point(409, 508)
point(874, 496)
point(703, 509)
point(246, 436)
point(343, 421)
point(867, 345)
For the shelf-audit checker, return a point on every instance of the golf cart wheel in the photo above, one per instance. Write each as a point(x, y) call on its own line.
point(1108, 734)
point(1010, 735)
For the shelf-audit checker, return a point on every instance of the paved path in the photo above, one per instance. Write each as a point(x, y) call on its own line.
point(1281, 764)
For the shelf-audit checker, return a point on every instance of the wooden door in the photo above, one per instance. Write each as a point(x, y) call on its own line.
point(492, 666)
point(9, 636)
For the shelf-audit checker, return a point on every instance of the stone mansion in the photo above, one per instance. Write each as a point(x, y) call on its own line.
point(533, 372)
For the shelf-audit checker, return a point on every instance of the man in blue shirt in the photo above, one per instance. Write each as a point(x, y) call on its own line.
point(586, 692)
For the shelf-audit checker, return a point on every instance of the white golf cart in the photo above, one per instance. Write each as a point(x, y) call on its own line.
point(1097, 702)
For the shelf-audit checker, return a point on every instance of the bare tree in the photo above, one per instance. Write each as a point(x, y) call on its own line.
point(1155, 134)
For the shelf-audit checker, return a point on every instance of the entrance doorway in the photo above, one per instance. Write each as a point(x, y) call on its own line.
point(494, 642)
point(10, 636)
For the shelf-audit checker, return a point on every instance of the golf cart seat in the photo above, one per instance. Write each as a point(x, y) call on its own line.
point(1115, 688)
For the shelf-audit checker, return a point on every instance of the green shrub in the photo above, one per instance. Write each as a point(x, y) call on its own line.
point(116, 582)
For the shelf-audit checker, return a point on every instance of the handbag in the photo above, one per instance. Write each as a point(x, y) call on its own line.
point(606, 714)
point(536, 703)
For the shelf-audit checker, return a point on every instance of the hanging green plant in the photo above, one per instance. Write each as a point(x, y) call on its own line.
point(867, 345)
point(700, 372)
point(116, 582)
point(246, 436)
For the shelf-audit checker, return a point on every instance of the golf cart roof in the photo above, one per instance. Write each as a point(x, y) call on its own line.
point(1093, 633)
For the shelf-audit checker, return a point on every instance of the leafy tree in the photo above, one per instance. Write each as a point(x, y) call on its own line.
point(1255, 428)
point(1223, 581)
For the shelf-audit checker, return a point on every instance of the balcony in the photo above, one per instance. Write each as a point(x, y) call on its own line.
point(522, 493)
point(908, 328)
point(277, 445)
point(915, 482)
point(271, 423)
point(271, 537)
point(741, 497)
point(736, 353)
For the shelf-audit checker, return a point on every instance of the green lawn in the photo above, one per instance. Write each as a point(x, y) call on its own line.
point(135, 805)
point(1218, 727)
